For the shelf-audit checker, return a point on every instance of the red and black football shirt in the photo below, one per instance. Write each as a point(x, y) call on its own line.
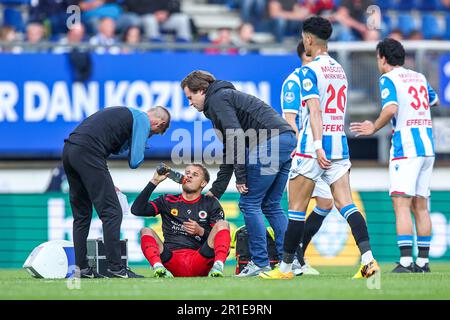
point(175, 210)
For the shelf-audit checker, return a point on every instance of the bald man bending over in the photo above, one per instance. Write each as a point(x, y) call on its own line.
point(109, 131)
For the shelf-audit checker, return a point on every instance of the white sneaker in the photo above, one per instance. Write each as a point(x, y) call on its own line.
point(216, 270)
point(297, 268)
point(308, 270)
point(252, 270)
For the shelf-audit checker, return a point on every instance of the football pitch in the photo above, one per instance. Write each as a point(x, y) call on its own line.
point(333, 283)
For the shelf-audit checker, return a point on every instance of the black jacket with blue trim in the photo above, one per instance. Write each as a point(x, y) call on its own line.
point(113, 130)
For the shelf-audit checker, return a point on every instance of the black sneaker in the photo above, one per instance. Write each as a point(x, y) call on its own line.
point(125, 273)
point(90, 273)
point(401, 269)
point(424, 269)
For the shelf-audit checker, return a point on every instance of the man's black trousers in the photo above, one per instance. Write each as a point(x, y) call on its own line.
point(90, 183)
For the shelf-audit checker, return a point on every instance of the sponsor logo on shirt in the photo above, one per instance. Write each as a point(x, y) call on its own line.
point(385, 93)
point(419, 122)
point(333, 127)
point(307, 84)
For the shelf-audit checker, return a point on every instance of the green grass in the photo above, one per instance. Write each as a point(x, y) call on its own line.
point(333, 283)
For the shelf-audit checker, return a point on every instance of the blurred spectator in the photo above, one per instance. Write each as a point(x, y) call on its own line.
point(95, 10)
point(8, 34)
point(445, 4)
point(131, 36)
point(351, 21)
point(35, 33)
point(319, 7)
point(396, 34)
point(372, 35)
point(224, 38)
point(75, 36)
point(155, 16)
point(105, 37)
point(246, 32)
point(52, 12)
point(79, 57)
point(253, 10)
point(287, 16)
point(415, 35)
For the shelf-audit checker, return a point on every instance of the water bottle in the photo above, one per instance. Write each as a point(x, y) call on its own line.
point(174, 175)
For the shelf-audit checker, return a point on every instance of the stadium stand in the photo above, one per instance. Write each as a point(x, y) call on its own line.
point(430, 17)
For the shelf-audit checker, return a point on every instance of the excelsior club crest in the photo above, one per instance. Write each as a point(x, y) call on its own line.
point(202, 214)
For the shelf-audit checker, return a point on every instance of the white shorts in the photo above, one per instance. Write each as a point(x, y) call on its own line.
point(309, 168)
point(410, 176)
point(322, 190)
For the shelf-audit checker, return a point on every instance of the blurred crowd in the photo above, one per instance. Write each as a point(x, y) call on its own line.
point(112, 22)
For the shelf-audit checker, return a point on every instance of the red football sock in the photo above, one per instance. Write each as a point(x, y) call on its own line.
point(150, 249)
point(222, 245)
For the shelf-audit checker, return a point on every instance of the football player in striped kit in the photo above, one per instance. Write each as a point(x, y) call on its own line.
point(293, 111)
point(406, 98)
point(322, 150)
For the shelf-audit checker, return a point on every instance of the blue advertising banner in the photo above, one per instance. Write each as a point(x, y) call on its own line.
point(40, 104)
point(445, 81)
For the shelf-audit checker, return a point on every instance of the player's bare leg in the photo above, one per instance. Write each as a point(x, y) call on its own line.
point(153, 247)
point(404, 225)
point(423, 228)
point(344, 203)
point(300, 191)
point(219, 239)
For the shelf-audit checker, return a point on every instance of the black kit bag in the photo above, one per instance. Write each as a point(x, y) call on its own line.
point(239, 241)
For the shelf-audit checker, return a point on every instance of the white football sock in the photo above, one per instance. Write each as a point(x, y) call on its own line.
point(406, 261)
point(285, 267)
point(366, 257)
point(421, 261)
point(158, 265)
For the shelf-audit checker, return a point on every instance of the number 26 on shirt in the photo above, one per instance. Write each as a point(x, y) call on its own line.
point(341, 99)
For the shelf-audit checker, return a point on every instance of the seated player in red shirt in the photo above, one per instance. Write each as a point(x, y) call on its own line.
point(196, 236)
